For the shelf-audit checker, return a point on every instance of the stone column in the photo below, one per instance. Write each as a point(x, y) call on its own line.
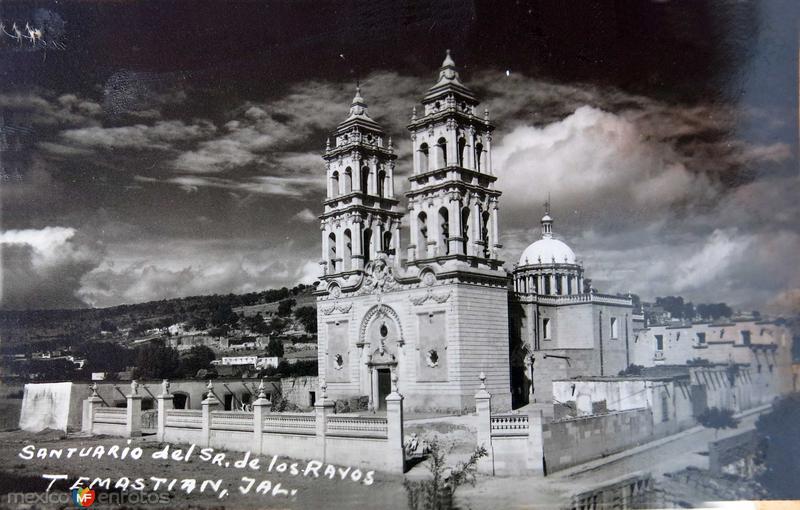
point(469, 150)
point(356, 239)
point(396, 243)
point(433, 230)
point(483, 407)
point(209, 405)
point(89, 406)
point(394, 420)
point(454, 213)
point(494, 229)
point(488, 154)
point(372, 185)
point(133, 412)
point(261, 407)
point(535, 443)
point(323, 408)
point(477, 230)
point(390, 181)
point(325, 249)
point(377, 238)
point(165, 404)
point(413, 247)
point(371, 405)
point(339, 250)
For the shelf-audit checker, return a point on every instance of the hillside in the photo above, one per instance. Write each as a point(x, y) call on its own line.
point(27, 331)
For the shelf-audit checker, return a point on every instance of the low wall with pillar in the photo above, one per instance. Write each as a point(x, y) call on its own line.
point(351, 440)
point(513, 441)
point(126, 421)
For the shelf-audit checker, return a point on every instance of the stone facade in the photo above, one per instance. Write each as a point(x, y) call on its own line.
point(763, 346)
point(439, 317)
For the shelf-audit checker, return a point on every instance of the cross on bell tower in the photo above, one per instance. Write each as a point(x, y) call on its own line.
point(452, 203)
point(361, 220)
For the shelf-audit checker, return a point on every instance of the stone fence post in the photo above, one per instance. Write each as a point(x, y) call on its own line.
point(260, 407)
point(209, 404)
point(394, 429)
point(133, 412)
point(483, 406)
point(165, 404)
point(535, 459)
point(323, 407)
point(89, 405)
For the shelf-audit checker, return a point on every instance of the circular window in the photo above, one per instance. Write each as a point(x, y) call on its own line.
point(432, 358)
point(338, 362)
point(384, 330)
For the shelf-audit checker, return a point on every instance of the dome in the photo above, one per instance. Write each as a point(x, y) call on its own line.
point(546, 249)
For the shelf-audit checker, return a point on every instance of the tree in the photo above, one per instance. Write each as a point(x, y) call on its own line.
point(257, 324)
point(716, 418)
point(714, 311)
point(107, 325)
point(672, 304)
point(224, 314)
point(275, 347)
point(220, 331)
point(198, 323)
point(307, 315)
point(156, 361)
point(107, 357)
point(139, 329)
point(198, 357)
point(285, 307)
point(780, 448)
point(276, 325)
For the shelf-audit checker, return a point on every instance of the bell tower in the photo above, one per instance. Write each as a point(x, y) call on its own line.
point(452, 203)
point(361, 218)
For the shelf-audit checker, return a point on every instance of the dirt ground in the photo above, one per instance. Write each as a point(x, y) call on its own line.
point(387, 491)
point(20, 475)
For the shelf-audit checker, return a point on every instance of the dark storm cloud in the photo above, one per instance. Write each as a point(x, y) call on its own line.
point(43, 268)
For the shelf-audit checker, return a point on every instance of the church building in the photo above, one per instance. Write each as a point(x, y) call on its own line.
point(438, 311)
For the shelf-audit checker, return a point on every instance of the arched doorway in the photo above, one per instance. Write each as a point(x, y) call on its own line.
point(382, 336)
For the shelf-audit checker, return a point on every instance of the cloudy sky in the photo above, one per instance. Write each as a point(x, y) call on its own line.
point(159, 150)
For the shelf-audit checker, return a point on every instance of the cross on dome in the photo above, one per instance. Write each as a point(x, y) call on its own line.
point(548, 249)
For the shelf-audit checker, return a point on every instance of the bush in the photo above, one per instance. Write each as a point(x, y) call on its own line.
point(437, 493)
